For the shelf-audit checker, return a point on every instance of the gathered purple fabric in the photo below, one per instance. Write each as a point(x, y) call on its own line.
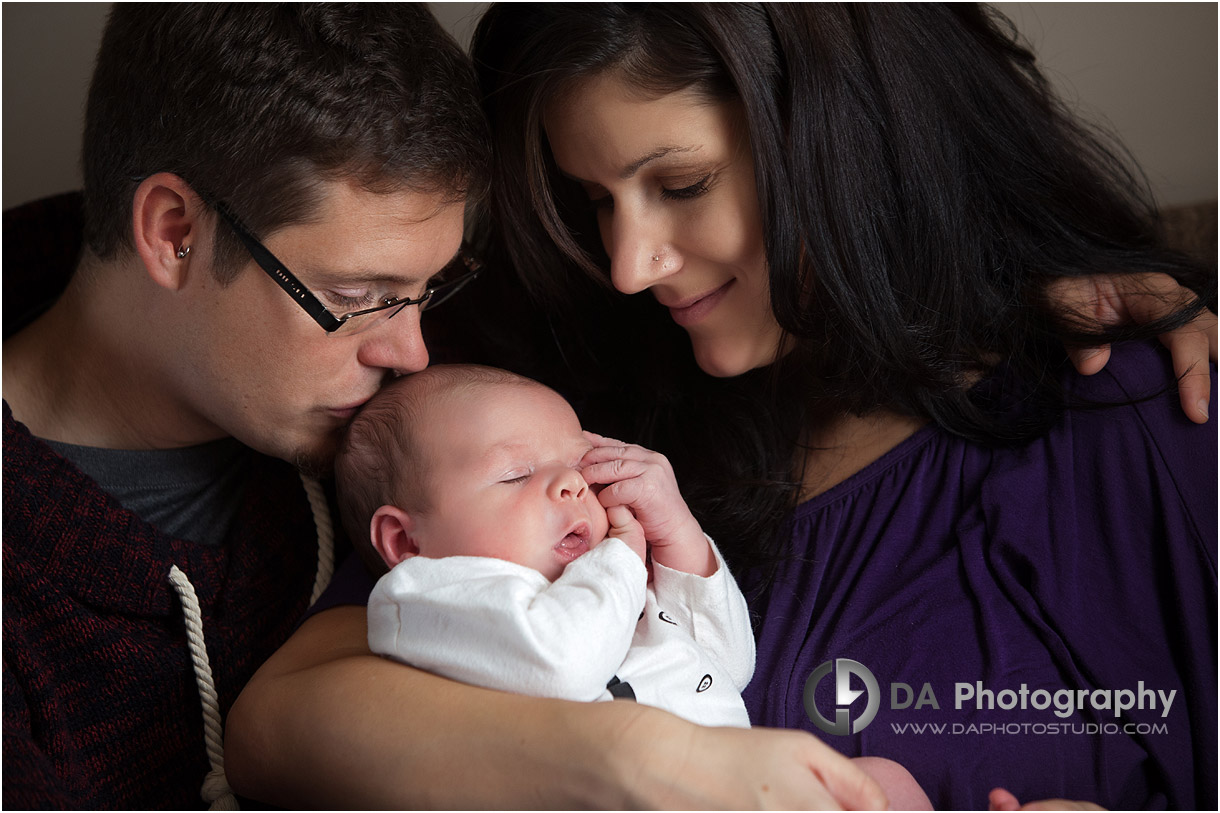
point(1085, 559)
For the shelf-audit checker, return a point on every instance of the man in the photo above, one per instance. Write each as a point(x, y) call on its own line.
point(153, 402)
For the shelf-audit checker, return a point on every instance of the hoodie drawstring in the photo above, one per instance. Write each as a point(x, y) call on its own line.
point(216, 791)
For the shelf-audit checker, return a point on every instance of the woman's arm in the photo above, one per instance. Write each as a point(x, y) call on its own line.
point(324, 723)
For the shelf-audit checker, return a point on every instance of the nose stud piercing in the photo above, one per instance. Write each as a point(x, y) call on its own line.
point(656, 257)
point(183, 251)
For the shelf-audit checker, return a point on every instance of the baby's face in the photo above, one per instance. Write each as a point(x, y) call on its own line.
point(503, 479)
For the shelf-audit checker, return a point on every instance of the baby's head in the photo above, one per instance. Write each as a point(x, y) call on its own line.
point(463, 460)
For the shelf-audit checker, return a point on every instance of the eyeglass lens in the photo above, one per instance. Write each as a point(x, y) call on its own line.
point(451, 279)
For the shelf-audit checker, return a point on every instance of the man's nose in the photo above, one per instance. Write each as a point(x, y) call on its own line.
point(397, 344)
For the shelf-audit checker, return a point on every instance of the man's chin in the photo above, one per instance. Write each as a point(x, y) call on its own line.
point(317, 459)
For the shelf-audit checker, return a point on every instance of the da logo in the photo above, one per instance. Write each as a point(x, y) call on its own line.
point(845, 696)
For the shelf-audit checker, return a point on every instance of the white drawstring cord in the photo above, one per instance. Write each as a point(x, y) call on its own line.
point(216, 791)
point(326, 536)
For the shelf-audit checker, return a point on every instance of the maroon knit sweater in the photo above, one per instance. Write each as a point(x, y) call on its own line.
point(101, 708)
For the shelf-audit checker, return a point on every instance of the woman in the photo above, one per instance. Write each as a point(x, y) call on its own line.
point(758, 435)
point(855, 213)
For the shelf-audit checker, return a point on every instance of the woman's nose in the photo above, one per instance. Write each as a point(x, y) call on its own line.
point(640, 250)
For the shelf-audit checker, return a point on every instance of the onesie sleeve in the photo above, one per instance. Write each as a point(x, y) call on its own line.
point(502, 626)
point(713, 610)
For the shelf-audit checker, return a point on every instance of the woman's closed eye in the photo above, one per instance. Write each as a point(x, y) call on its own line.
point(600, 199)
point(694, 190)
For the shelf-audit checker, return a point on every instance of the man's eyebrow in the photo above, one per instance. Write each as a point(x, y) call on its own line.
point(368, 276)
point(322, 278)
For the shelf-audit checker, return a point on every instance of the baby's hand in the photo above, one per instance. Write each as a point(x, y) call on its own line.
point(643, 481)
point(624, 526)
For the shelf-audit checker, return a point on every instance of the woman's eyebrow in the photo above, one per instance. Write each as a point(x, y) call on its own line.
point(635, 166)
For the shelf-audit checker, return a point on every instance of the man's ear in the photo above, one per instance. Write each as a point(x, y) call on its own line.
point(165, 220)
point(391, 531)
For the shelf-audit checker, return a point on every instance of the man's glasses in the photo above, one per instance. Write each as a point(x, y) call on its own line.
point(451, 279)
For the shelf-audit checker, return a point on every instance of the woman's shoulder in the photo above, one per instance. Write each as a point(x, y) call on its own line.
point(1124, 467)
point(1140, 372)
point(1124, 433)
point(1129, 416)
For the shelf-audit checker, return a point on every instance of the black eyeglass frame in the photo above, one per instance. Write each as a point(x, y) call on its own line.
point(311, 304)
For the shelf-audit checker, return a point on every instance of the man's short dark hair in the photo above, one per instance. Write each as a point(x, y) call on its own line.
point(254, 104)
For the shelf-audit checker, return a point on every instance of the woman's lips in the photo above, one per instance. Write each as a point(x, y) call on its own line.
point(691, 311)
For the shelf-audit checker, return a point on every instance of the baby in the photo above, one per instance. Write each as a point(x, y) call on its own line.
point(517, 553)
point(527, 555)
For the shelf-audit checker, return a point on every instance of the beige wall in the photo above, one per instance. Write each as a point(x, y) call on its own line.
point(1149, 69)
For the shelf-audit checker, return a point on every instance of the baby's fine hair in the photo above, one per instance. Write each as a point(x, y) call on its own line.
point(379, 461)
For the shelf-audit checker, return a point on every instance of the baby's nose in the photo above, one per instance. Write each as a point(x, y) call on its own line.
point(570, 485)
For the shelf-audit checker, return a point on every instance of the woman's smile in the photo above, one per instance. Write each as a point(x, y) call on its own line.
point(672, 181)
point(691, 310)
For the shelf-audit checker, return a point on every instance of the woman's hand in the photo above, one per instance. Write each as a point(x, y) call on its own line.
point(1139, 299)
point(1000, 799)
point(688, 766)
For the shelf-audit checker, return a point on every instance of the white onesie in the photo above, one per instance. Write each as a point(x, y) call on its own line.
point(597, 632)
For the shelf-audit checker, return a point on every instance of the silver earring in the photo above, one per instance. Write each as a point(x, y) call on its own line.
point(183, 251)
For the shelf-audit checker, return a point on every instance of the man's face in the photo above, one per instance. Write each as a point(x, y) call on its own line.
point(253, 364)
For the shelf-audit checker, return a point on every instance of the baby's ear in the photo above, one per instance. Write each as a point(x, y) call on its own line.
point(391, 532)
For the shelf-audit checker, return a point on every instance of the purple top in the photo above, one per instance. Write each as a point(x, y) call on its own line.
point(1084, 560)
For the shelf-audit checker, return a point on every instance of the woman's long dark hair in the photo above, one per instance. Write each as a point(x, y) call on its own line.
point(919, 185)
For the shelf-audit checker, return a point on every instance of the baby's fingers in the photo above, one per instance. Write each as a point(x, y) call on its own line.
point(606, 449)
point(600, 441)
point(612, 471)
point(616, 448)
point(623, 525)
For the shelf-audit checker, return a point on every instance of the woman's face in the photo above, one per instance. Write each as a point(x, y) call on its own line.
point(672, 180)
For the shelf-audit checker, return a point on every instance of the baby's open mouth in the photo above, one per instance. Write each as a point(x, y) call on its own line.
point(575, 542)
